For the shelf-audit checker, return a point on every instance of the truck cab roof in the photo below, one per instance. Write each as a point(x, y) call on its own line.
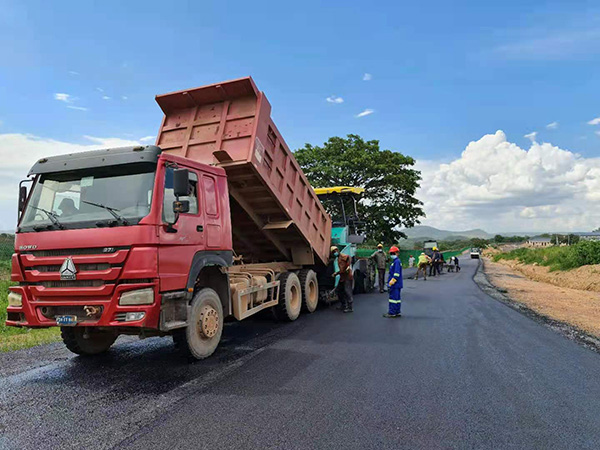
point(97, 158)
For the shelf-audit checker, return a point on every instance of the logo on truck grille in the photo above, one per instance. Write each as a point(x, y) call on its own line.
point(68, 270)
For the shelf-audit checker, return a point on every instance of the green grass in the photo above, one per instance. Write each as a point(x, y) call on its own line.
point(556, 258)
point(13, 338)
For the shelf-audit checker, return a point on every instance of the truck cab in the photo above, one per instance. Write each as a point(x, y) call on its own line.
point(102, 236)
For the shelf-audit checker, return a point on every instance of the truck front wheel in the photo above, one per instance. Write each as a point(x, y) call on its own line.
point(290, 297)
point(310, 289)
point(205, 325)
point(87, 340)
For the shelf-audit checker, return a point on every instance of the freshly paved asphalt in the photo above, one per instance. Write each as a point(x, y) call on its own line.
point(458, 370)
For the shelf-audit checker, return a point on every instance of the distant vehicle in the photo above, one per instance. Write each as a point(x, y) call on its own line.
point(428, 247)
point(475, 253)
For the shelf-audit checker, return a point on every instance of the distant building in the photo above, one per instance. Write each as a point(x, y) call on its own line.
point(539, 242)
point(591, 236)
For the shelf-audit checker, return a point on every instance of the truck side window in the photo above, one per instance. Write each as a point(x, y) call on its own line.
point(169, 198)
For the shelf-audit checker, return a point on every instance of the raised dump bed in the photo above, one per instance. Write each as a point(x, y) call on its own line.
point(275, 214)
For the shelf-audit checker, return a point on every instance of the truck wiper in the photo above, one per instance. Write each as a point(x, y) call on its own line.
point(111, 210)
point(51, 215)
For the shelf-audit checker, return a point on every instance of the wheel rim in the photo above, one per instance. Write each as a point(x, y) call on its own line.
point(208, 323)
point(311, 295)
point(294, 297)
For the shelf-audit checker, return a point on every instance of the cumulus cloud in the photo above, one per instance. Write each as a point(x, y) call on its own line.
point(498, 186)
point(72, 72)
point(367, 77)
point(147, 138)
point(595, 121)
point(99, 89)
point(366, 112)
point(19, 152)
point(334, 99)
point(105, 97)
point(531, 136)
point(552, 126)
point(124, 97)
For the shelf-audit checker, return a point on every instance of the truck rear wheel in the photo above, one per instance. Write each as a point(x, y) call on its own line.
point(87, 340)
point(290, 297)
point(205, 325)
point(310, 289)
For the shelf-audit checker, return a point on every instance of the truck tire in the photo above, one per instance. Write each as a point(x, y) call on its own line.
point(290, 297)
point(310, 289)
point(87, 340)
point(201, 337)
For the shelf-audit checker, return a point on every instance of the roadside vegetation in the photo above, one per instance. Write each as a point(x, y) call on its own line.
point(12, 338)
point(556, 258)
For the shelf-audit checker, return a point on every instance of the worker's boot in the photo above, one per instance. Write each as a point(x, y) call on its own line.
point(348, 308)
point(389, 316)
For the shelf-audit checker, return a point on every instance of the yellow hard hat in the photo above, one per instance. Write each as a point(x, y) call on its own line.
point(334, 249)
point(379, 245)
point(435, 248)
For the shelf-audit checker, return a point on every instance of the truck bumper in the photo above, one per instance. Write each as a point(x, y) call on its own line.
point(41, 314)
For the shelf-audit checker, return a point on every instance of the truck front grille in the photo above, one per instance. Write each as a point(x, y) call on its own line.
point(80, 267)
point(73, 283)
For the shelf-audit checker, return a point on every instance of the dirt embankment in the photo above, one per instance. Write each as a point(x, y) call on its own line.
point(586, 278)
point(547, 293)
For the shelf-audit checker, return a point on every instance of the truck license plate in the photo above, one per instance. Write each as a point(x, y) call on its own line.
point(66, 321)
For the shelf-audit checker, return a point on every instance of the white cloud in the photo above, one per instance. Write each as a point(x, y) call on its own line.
point(147, 138)
point(531, 136)
point(63, 97)
point(498, 186)
point(366, 112)
point(367, 77)
point(552, 126)
point(597, 132)
point(99, 89)
point(78, 108)
point(595, 121)
point(72, 72)
point(105, 97)
point(124, 97)
point(334, 99)
point(19, 152)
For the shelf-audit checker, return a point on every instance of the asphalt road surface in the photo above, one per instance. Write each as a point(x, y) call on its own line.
point(458, 370)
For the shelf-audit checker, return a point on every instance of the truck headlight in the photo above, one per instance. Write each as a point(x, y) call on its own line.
point(15, 299)
point(138, 297)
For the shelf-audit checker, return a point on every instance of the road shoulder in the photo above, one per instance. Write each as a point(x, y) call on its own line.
point(498, 282)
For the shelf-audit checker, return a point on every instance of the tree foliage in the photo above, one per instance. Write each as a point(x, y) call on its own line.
point(388, 177)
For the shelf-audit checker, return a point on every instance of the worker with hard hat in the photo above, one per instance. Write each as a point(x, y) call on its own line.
point(435, 262)
point(344, 287)
point(395, 285)
point(380, 259)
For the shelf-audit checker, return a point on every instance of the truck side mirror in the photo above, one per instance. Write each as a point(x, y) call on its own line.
point(22, 198)
point(181, 206)
point(181, 182)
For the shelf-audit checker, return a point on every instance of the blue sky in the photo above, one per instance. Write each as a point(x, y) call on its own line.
point(442, 73)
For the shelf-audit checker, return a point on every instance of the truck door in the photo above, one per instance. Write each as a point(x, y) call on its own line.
point(177, 248)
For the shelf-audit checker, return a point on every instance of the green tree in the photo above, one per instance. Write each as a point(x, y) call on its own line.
point(388, 177)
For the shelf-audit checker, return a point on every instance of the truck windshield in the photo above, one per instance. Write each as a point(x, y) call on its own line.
point(115, 195)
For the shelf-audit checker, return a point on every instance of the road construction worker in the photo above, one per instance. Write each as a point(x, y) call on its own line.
point(411, 261)
point(344, 287)
point(435, 260)
point(422, 264)
point(395, 285)
point(380, 259)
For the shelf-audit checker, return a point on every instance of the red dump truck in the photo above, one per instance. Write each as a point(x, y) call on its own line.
point(216, 220)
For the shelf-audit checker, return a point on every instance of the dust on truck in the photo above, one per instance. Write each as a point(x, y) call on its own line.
point(216, 220)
